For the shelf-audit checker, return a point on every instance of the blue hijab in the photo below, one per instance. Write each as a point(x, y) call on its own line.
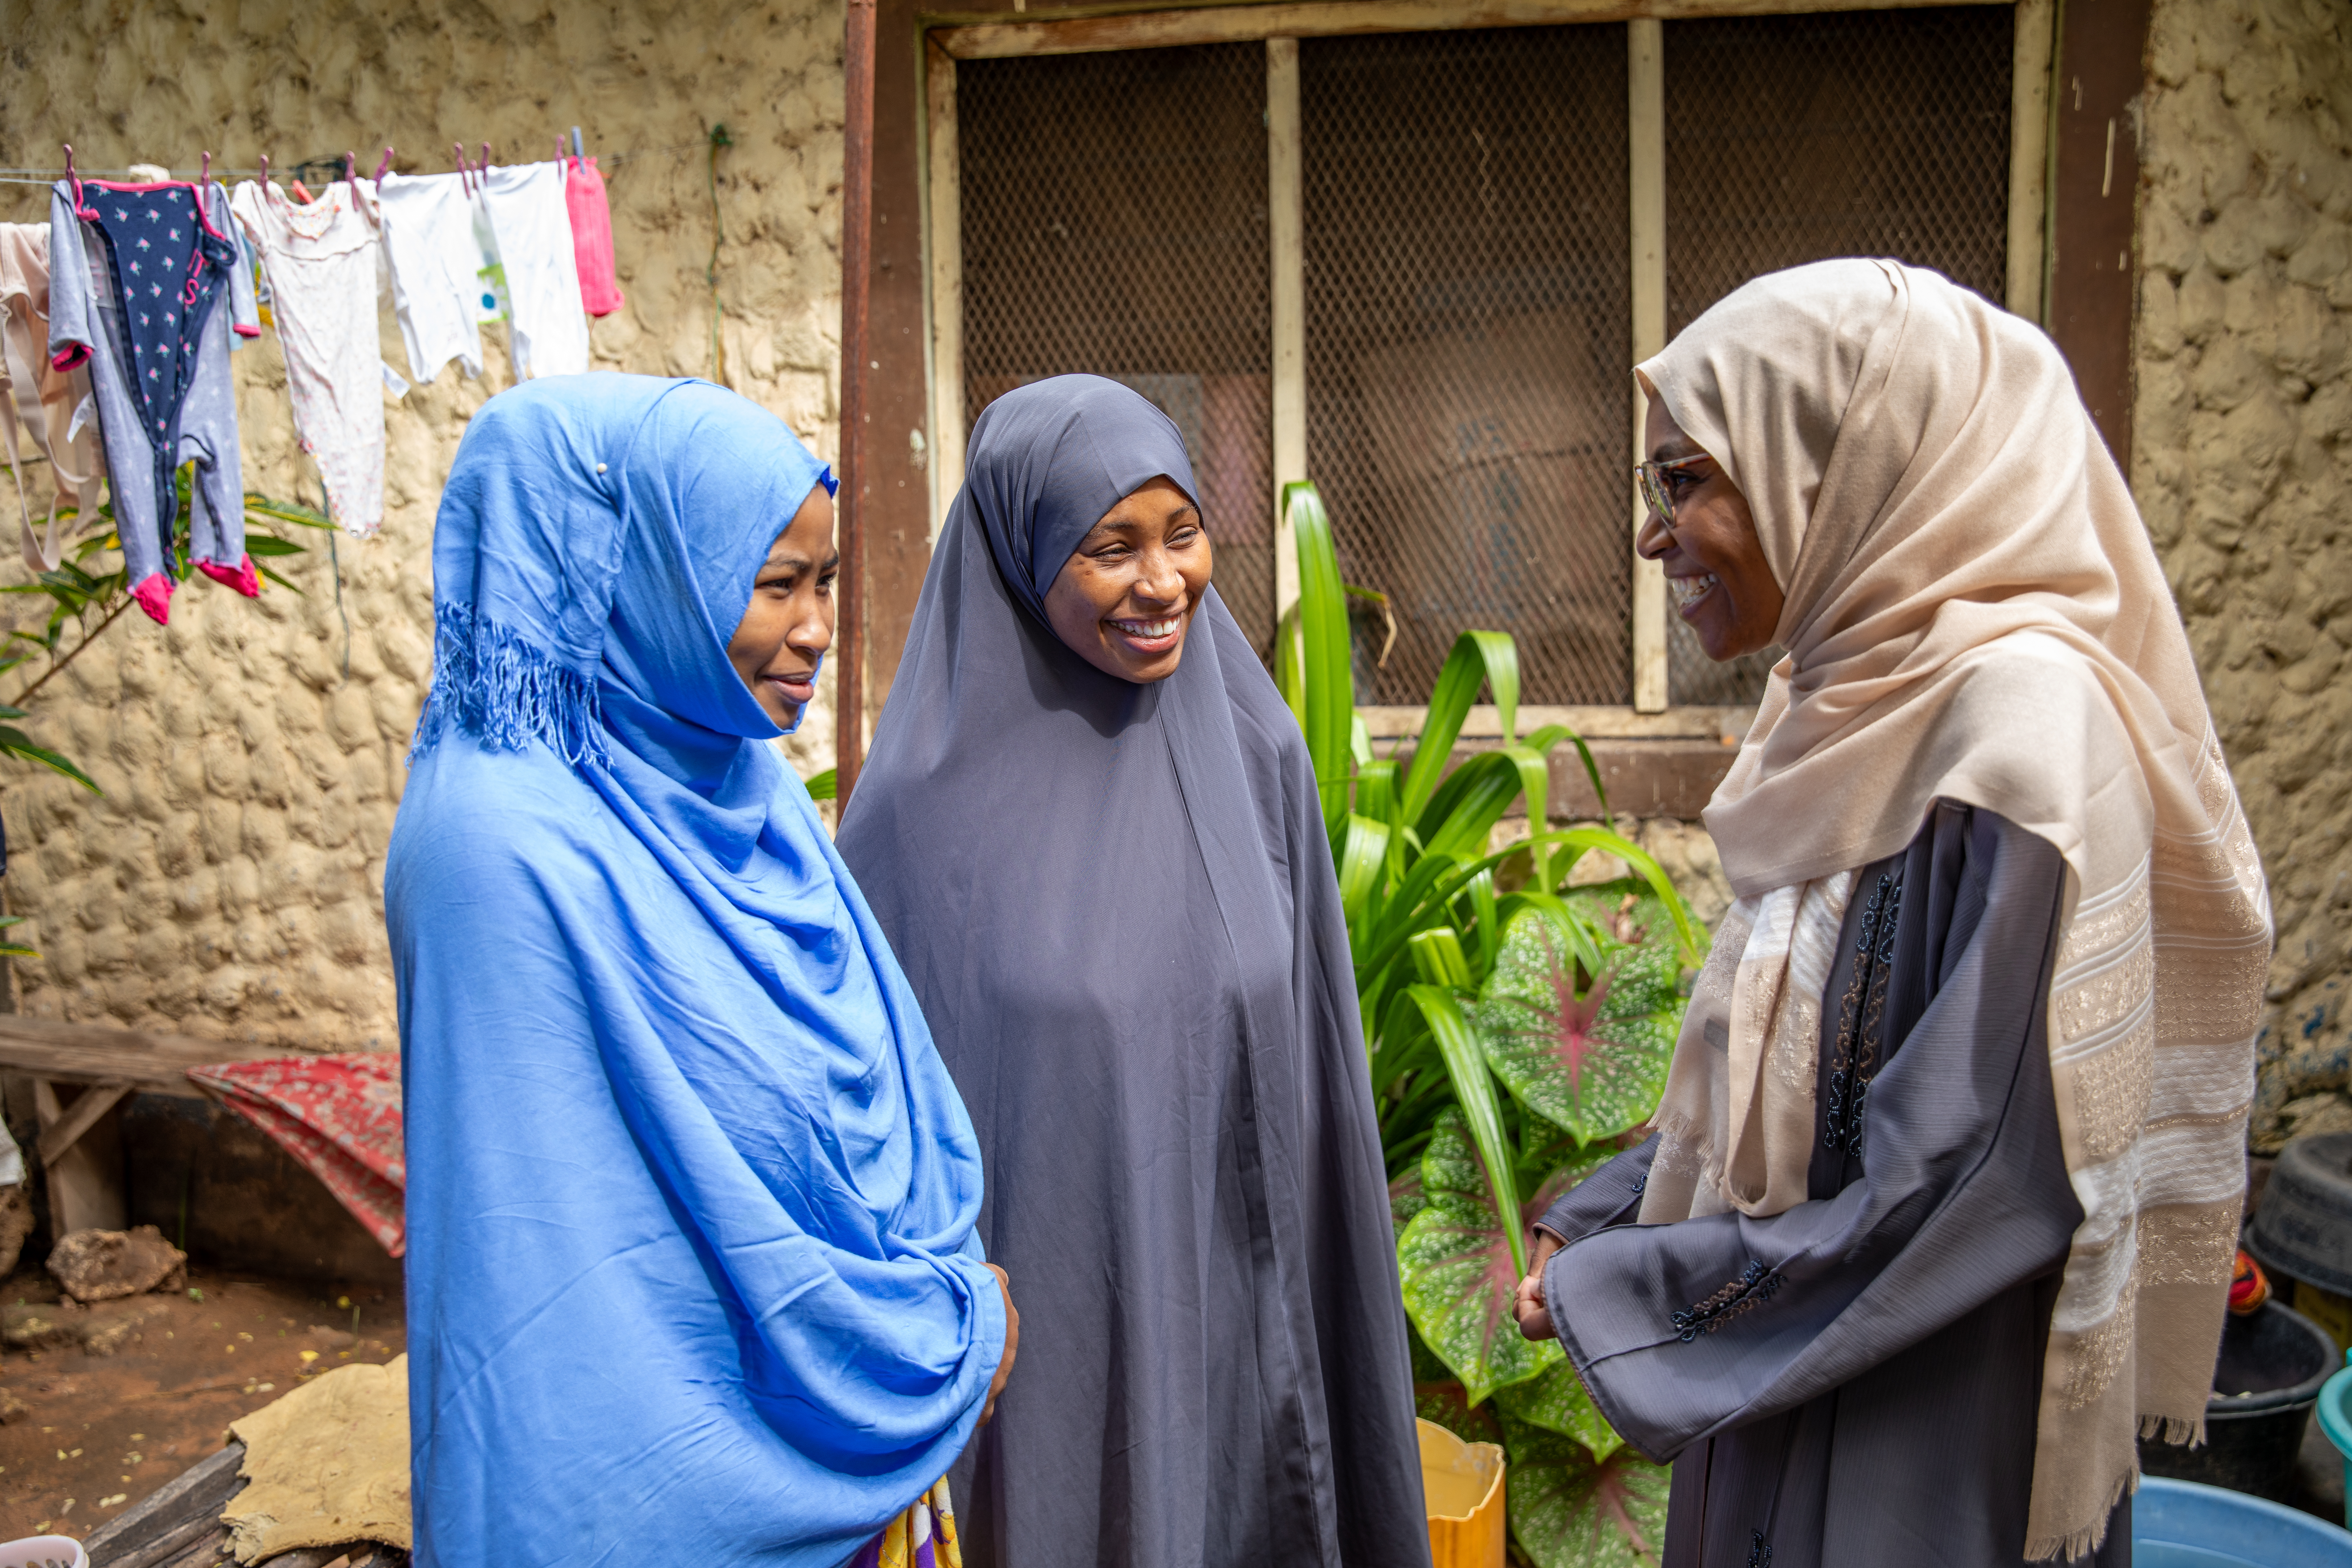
point(692, 1273)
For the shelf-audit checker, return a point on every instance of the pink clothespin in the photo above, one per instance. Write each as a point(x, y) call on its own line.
point(384, 167)
point(485, 168)
point(265, 168)
point(74, 179)
point(351, 168)
point(465, 175)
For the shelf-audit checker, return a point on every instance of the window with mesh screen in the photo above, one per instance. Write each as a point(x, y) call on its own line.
point(1467, 327)
point(1794, 139)
point(1115, 221)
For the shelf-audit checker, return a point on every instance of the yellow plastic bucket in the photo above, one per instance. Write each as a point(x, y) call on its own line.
point(1461, 1486)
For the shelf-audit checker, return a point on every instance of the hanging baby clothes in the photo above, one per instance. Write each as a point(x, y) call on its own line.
point(548, 332)
point(428, 233)
point(321, 263)
point(592, 236)
point(134, 286)
point(46, 400)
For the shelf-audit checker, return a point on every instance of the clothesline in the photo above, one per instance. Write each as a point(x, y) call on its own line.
point(39, 176)
point(137, 292)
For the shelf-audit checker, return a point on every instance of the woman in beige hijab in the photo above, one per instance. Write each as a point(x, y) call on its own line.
point(1939, 1211)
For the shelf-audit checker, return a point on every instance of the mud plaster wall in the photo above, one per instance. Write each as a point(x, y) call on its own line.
point(2243, 464)
point(229, 882)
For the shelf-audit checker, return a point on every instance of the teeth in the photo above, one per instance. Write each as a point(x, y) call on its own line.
point(1148, 629)
point(1687, 590)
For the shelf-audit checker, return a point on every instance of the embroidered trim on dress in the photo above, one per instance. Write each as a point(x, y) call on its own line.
point(1755, 1285)
point(1862, 1017)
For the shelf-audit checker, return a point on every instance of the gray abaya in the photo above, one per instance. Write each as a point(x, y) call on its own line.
point(1117, 905)
point(1853, 1382)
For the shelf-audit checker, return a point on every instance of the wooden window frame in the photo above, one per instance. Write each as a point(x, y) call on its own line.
point(948, 39)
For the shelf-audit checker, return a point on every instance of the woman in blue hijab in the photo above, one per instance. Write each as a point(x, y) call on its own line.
point(693, 1275)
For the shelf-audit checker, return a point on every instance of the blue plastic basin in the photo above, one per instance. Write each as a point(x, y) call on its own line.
point(2181, 1524)
point(2336, 1420)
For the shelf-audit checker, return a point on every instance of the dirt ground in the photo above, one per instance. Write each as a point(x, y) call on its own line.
point(122, 1396)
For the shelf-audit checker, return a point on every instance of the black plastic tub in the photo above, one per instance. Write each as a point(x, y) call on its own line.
point(2302, 1227)
point(2266, 1385)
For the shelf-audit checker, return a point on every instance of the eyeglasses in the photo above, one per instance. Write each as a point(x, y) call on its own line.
point(1652, 479)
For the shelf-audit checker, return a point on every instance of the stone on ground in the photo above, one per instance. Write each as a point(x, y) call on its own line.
point(103, 1265)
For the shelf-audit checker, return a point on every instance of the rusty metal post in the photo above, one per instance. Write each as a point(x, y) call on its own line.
point(857, 243)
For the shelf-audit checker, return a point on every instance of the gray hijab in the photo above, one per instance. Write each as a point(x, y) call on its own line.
point(1117, 905)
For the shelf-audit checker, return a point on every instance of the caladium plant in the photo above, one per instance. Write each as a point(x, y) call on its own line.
point(1517, 1027)
point(1569, 1510)
point(1578, 1021)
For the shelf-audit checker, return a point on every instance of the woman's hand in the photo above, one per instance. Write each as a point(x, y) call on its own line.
point(1012, 1344)
point(1527, 1302)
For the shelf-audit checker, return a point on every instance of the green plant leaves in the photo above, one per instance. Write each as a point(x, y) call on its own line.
point(1460, 1268)
point(14, 743)
point(1445, 1402)
point(1585, 1047)
point(1557, 1402)
point(1328, 711)
point(1569, 1510)
point(1406, 1199)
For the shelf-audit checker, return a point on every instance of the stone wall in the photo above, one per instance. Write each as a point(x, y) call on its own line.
point(2242, 465)
point(228, 883)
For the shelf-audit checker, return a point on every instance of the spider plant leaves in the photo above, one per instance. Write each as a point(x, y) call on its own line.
point(1460, 1266)
point(1328, 712)
point(1478, 1105)
point(1477, 658)
point(1583, 1043)
point(1569, 1510)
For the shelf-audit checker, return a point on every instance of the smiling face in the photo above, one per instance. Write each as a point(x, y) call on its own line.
point(789, 622)
point(1125, 598)
point(1722, 586)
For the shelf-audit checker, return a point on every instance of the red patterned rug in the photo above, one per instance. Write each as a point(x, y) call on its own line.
point(340, 1115)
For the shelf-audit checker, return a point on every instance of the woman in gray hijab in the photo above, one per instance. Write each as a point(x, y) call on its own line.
point(1090, 830)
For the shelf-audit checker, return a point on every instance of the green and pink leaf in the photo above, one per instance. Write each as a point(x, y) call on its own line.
point(1569, 1510)
point(1590, 1057)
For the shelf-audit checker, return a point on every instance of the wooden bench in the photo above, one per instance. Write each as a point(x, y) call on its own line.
point(79, 1073)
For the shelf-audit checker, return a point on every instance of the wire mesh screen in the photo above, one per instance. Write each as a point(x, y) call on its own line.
point(1793, 139)
point(1467, 334)
point(1115, 221)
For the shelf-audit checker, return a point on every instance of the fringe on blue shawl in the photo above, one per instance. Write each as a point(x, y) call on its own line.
point(489, 683)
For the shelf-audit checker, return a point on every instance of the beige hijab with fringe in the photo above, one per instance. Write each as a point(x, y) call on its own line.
point(1974, 614)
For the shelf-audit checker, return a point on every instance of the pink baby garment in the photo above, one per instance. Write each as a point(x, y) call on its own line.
point(592, 236)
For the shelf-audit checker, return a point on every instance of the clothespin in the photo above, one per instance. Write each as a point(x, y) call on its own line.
point(351, 169)
point(265, 168)
point(559, 146)
point(71, 177)
point(577, 150)
point(385, 167)
point(486, 168)
point(206, 183)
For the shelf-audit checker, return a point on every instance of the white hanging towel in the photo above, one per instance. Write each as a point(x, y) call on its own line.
point(533, 228)
point(321, 261)
point(436, 263)
point(52, 403)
